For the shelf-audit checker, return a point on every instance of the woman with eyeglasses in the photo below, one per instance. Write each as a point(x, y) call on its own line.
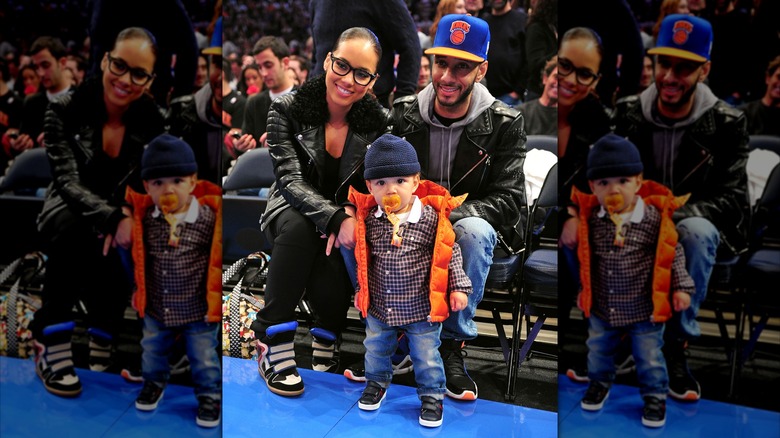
point(581, 121)
point(318, 137)
point(94, 140)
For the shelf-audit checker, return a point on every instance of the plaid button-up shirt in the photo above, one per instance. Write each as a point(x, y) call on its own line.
point(622, 276)
point(399, 277)
point(176, 280)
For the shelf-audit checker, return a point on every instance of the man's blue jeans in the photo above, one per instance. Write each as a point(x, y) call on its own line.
point(381, 342)
point(476, 238)
point(201, 341)
point(647, 338)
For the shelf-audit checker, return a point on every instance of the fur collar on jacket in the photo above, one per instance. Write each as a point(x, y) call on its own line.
point(310, 108)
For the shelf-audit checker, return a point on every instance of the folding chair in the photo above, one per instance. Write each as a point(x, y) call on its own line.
point(538, 278)
point(545, 142)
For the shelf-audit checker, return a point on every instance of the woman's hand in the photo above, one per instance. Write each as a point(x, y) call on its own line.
point(123, 237)
point(569, 232)
point(345, 237)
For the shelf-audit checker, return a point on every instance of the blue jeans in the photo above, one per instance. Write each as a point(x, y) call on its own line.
point(647, 338)
point(201, 341)
point(476, 238)
point(381, 341)
point(699, 239)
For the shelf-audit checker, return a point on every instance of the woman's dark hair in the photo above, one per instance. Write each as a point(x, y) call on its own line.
point(546, 12)
point(241, 86)
point(361, 33)
point(132, 33)
point(585, 33)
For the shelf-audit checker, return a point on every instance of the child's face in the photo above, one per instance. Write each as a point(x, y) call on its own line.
point(616, 194)
point(171, 194)
point(403, 186)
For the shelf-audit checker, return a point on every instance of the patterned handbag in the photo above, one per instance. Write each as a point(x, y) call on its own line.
point(17, 306)
point(240, 305)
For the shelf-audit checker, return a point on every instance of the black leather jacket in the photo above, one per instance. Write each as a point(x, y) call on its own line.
point(712, 161)
point(488, 164)
point(73, 132)
point(296, 139)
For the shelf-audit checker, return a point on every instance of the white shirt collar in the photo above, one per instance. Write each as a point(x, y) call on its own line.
point(190, 216)
point(636, 216)
point(414, 214)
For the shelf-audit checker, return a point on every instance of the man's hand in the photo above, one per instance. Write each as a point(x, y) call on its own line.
point(245, 143)
point(458, 301)
point(21, 143)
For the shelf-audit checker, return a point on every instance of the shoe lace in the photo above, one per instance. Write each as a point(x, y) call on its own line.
point(454, 361)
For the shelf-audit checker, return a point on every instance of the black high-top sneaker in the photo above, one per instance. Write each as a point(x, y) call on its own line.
point(460, 386)
point(99, 349)
point(54, 360)
point(682, 385)
point(276, 359)
point(323, 346)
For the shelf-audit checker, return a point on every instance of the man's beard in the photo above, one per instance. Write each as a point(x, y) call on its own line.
point(460, 100)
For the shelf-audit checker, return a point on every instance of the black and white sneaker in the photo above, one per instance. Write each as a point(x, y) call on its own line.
point(595, 397)
point(54, 360)
point(276, 360)
point(431, 412)
point(654, 412)
point(323, 345)
point(372, 396)
point(149, 397)
point(209, 412)
point(99, 350)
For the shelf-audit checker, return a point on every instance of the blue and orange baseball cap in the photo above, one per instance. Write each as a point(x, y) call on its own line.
point(461, 36)
point(684, 36)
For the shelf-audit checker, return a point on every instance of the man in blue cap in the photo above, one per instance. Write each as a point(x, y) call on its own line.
point(692, 142)
point(468, 142)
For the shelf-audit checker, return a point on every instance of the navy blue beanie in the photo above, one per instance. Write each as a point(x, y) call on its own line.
point(167, 156)
point(613, 156)
point(390, 156)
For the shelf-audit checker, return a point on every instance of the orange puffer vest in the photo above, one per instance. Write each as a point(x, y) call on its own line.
point(660, 197)
point(440, 199)
point(207, 193)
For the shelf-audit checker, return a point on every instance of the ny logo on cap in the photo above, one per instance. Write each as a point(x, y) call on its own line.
point(681, 30)
point(458, 31)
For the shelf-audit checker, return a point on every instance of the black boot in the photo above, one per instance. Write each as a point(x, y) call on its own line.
point(54, 360)
point(682, 385)
point(276, 359)
point(460, 386)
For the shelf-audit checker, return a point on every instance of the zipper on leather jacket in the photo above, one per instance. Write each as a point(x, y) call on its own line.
point(486, 160)
point(707, 158)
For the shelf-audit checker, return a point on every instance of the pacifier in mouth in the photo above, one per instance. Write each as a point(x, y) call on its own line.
point(391, 203)
point(614, 203)
point(168, 202)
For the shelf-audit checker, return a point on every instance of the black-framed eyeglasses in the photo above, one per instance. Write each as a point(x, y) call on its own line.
point(584, 75)
point(119, 67)
point(342, 68)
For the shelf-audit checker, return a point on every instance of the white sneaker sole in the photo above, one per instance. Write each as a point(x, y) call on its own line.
point(651, 423)
point(204, 423)
point(428, 423)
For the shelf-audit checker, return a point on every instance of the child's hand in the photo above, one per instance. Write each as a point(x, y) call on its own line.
point(681, 301)
point(579, 302)
point(356, 303)
point(458, 301)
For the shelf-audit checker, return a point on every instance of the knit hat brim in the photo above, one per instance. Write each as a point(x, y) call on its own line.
point(169, 170)
point(614, 170)
point(392, 170)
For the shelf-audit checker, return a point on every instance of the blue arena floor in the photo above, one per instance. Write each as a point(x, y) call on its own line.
point(328, 408)
point(623, 412)
point(105, 408)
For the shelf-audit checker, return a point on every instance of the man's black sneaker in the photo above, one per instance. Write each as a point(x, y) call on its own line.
point(276, 359)
point(595, 397)
point(357, 371)
point(149, 397)
point(209, 412)
point(682, 385)
point(654, 413)
point(431, 412)
point(372, 396)
point(460, 386)
point(579, 375)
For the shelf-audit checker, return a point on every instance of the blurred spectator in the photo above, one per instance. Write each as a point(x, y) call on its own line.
point(292, 77)
point(541, 42)
point(392, 23)
point(48, 58)
point(202, 73)
point(647, 78)
point(507, 76)
point(614, 21)
point(425, 73)
point(28, 81)
point(541, 115)
point(233, 102)
point(12, 61)
point(473, 7)
point(301, 66)
point(249, 82)
point(10, 114)
point(731, 38)
point(763, 115)
point(78, 65)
